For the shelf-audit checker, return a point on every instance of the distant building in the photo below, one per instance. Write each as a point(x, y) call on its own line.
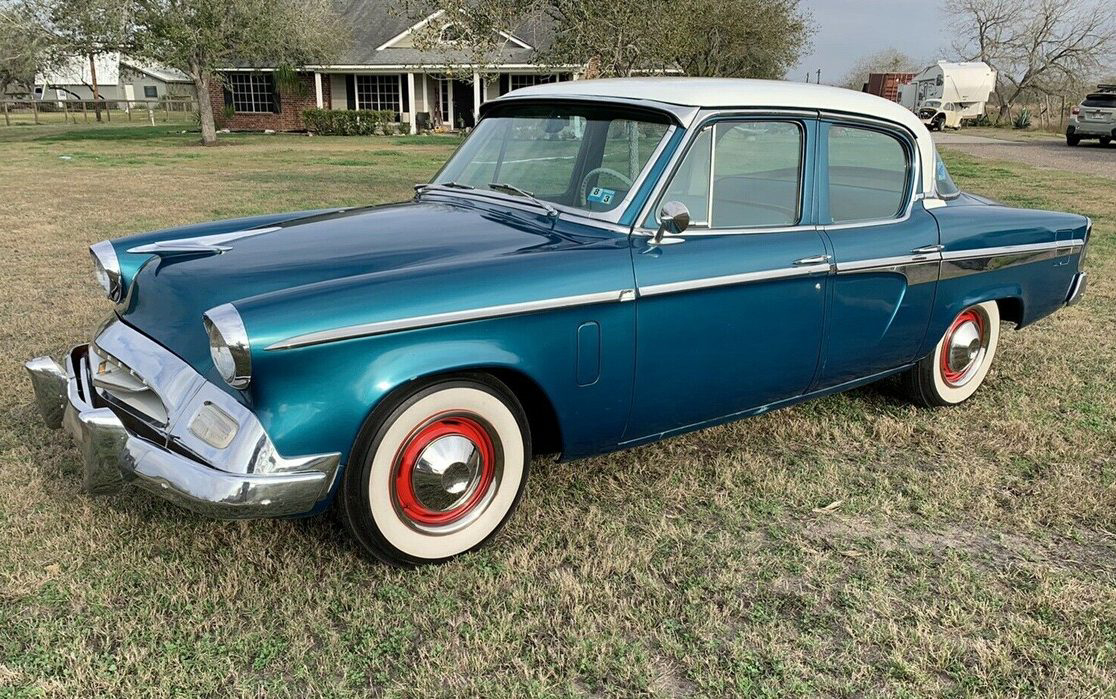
point(384, 70)
point(886, 85)
point(119, 79)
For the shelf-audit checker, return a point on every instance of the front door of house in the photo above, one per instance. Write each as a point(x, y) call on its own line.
point(463, 104)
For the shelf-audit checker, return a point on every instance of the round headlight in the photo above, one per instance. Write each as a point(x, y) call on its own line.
point(106, 269)
point(228, 345)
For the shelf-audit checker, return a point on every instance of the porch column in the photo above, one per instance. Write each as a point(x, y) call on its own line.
point(318, 89)
point(426, 100)
point(476, 96)
point(411, 116)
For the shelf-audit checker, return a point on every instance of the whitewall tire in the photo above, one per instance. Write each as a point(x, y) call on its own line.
point(437, 471)
point(957, 367)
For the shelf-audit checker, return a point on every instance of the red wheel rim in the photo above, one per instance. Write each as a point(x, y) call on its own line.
point(411, 453)
point(950, 375)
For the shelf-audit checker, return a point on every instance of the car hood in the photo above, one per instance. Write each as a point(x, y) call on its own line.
point(170, 292)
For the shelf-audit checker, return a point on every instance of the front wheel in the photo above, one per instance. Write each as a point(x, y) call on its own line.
point(956, 368)
point(437, 471)
point(1105, 140)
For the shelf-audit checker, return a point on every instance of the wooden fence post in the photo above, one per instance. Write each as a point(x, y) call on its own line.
point(84, 112)
point(7, 119)
point(35, 111)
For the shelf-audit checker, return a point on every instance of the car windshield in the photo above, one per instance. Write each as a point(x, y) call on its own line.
point(933, 103)
point(946, 187)
point(585, 157)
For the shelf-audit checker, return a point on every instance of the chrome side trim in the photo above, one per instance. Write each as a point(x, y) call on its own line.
point(416, 322)
point(732, 279)
point(1010, 249)
point(885, 262)
point(1077, 288)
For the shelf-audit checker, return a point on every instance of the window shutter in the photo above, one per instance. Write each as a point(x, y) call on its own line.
point(350, 91)
point(276, 98)
point(505, 83)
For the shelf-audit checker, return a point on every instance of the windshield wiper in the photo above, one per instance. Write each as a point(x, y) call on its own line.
point(505, 187)
point(451, 184)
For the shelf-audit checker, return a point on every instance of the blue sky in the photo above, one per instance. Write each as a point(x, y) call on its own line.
point(849, 30)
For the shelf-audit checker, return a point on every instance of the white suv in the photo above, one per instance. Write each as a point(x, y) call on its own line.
point(1095, 117)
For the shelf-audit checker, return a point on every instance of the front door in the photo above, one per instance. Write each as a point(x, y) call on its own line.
point(885, 249)
point(730, 319)
point(463, 104)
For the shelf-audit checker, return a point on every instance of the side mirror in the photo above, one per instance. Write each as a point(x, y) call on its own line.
point(674, 218)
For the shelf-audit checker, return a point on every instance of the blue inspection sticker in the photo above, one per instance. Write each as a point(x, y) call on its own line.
point(600, 195)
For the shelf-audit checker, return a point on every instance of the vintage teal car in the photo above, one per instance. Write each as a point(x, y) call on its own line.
point(601, 264)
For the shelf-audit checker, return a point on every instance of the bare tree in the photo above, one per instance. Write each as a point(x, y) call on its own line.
point(1039, 47)
point(889, 60)
point(200, 36)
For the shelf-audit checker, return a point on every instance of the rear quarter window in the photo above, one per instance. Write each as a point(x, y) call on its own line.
point(868, 174)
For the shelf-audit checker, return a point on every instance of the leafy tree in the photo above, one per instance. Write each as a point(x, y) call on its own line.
point(1042, 47)
point(740, 38)
point(200, 36)
point(745, 38)
point(889, 60)
point(71, 31)
point(22, 49)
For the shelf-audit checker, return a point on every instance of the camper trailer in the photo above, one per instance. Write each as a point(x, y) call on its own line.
point(945, 94)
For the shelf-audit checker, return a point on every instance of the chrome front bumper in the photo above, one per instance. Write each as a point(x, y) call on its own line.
point(114, 456)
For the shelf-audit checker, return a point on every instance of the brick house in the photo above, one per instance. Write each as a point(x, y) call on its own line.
point(383, 70)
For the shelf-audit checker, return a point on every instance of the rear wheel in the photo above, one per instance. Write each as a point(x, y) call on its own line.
point(437, 471)
point(1072, 139)
point(1105, 140)
point(956, 368)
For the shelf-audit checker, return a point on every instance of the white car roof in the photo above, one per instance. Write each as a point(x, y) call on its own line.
point(720, 93)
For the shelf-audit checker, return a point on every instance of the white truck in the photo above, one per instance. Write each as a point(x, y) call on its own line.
point(944, 94)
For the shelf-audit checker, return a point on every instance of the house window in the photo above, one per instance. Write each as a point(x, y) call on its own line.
point(378, 92)
point(150, 92)
point(517, 81)
point(252, 92)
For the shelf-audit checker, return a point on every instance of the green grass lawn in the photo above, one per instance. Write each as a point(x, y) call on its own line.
point(852, 546)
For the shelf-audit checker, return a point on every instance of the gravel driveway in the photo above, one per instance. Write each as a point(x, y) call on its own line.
point(1089, 157)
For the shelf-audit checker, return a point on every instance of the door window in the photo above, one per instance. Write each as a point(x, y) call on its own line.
point(868, 174)
point(740, 174)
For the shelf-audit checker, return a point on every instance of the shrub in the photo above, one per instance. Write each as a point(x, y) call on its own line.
point(356, 122)
point(1023, 120)
point(982, 120)
point(403, 128)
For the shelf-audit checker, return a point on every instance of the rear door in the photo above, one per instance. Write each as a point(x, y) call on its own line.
point(886, 250)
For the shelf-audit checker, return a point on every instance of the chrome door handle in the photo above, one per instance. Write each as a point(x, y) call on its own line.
point(815, 260)
point(927, 249)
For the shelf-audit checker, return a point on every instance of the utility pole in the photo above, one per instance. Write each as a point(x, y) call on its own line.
point(807, 77)
point(818, 81)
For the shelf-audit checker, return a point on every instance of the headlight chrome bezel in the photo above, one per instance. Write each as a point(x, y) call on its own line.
point(106, 269)
point(226, 333)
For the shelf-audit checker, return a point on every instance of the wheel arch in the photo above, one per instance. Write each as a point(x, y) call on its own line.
point(1011, 309)
point(542, 418)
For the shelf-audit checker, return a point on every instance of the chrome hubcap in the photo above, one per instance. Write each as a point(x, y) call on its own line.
point(446, 473)
point(964, 346)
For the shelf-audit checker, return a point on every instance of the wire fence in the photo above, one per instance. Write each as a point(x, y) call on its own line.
point(19, 112)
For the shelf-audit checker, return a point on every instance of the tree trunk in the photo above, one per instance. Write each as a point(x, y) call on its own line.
point(96, 90)
point(205, 109)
